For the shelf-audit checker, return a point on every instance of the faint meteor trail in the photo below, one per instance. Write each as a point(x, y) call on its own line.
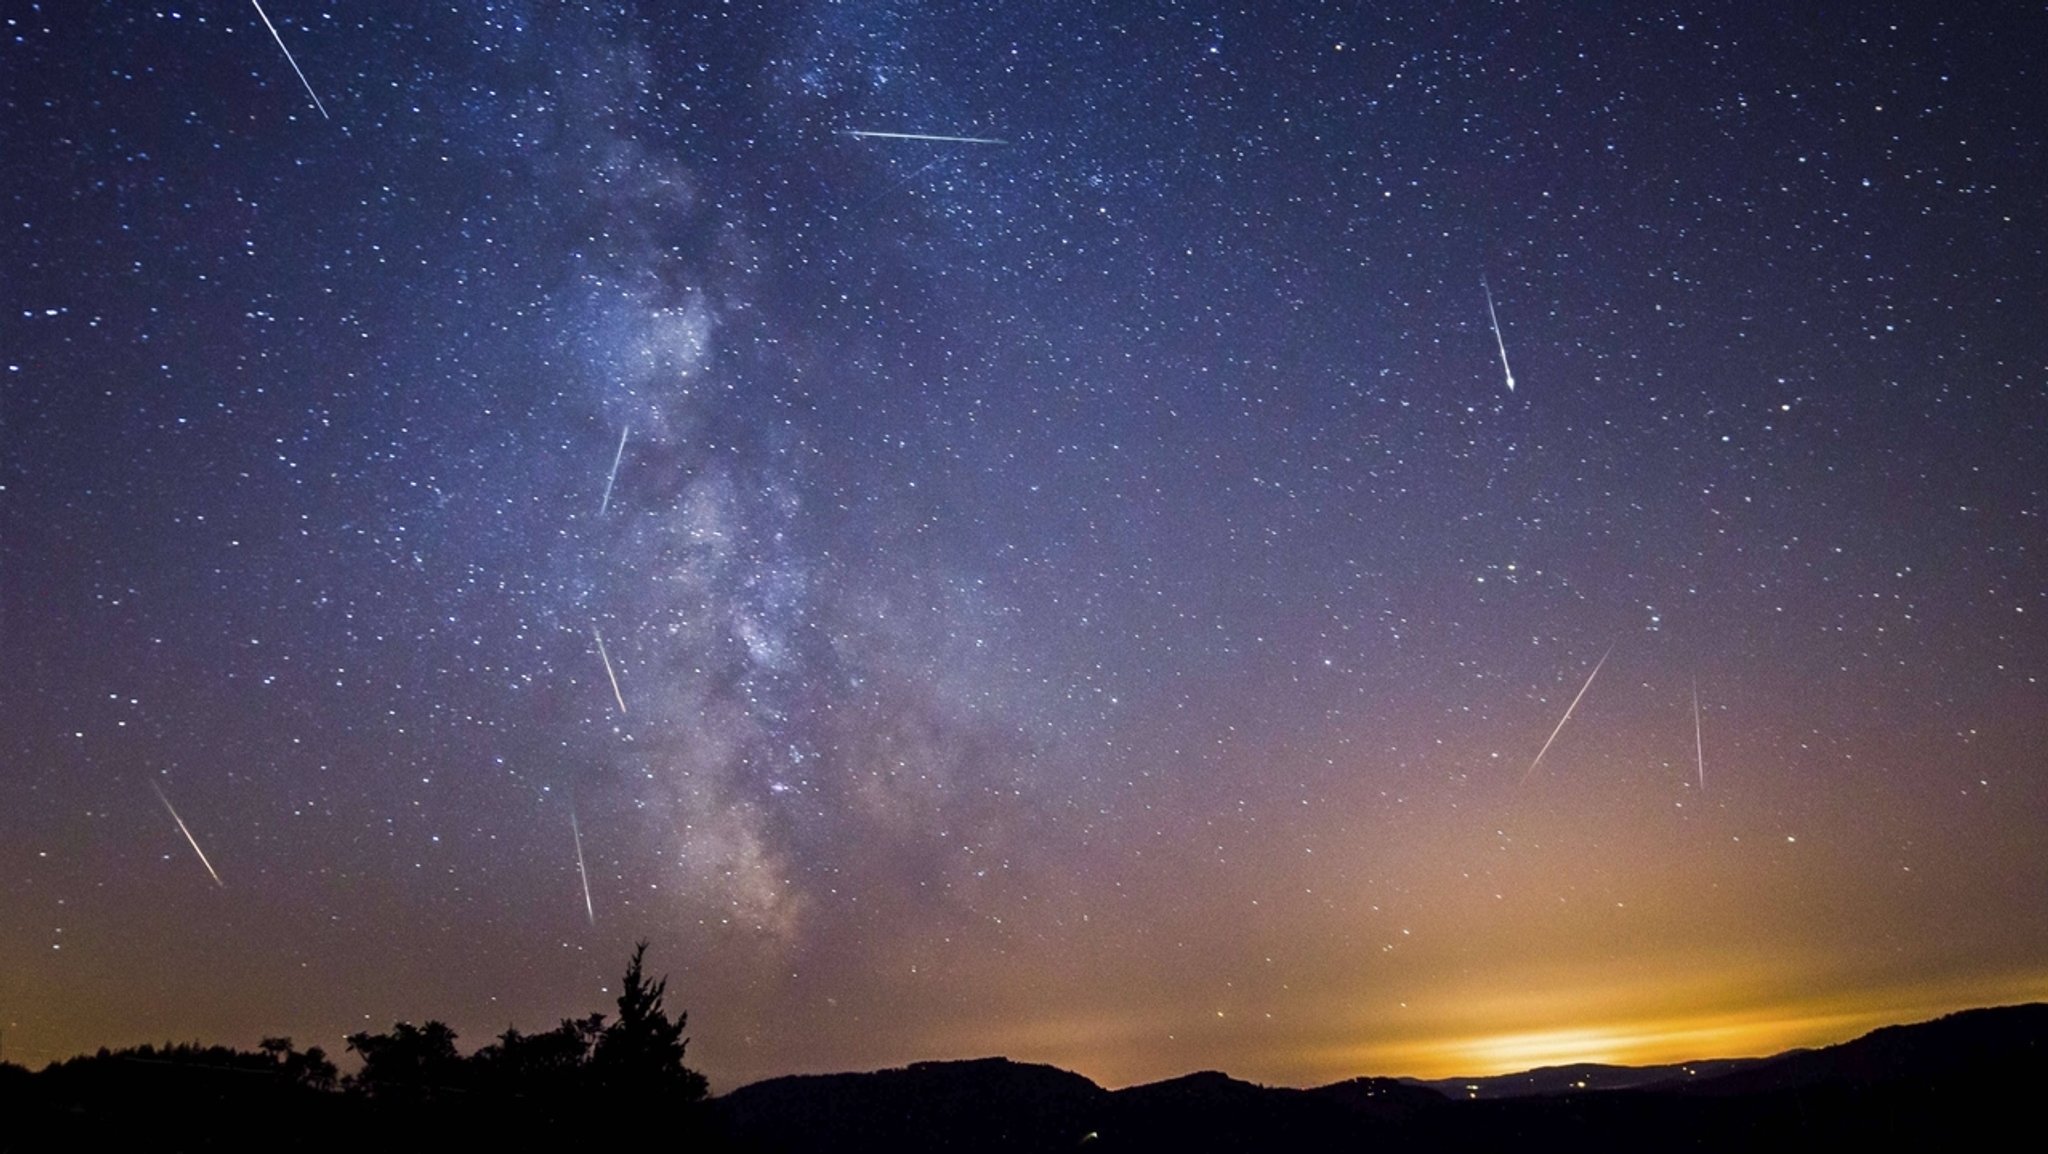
point(1699, 747)
point(189, 839)
point(1502, 345)
point(621, 698)
point(614, 478)
point(289, 60)
point(924, 136)
point(589, 911)
point(1567, 715)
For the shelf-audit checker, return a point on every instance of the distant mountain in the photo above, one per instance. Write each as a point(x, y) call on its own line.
point(1212, 1111)
point(1993, 1038)
point(1959, 1082)
point(1983, 1048)
point(1387, 1099)
point(1579, 1077)
point(996, 1104)
point(985, 1104)
point(1964, 1082)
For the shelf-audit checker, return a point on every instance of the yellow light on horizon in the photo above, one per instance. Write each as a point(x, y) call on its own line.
point(1654, 1043)
point(1512, 1052)
point(1639, 1043)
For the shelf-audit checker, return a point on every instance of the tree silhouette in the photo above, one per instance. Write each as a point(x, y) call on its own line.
point(309, 1068)
point(553, 1063)
point(411, 1063)
point(642, 1052)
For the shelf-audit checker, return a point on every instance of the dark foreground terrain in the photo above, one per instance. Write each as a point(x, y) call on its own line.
point(1965, 1081)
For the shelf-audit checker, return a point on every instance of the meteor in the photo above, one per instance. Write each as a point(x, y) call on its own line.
point(289, 60)
point(620, 697)
point(1502, 345)
point(189, 839)
point(589, 911)
point(614, 478)
point(924, 136)
point(1699, 748)
point(1567, 715)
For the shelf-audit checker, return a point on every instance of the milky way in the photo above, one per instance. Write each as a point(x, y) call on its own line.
point(1000, 529)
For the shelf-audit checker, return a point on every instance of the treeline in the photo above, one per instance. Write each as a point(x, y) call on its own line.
point(586, 1078)
point(639, 1054)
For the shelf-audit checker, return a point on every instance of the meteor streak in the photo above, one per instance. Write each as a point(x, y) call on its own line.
point(1502, 345)
point(189, 839)
point(289, 60)
point(614, 478)
point(589, 911)
point(924, 136)
point(1567, 715)
point(621, 698)
point(1699, 748)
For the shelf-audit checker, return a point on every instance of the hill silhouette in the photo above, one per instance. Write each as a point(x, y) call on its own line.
point(1957, 1081)
point(997, 1104)
point(1580, 1076)
point(983, 1104)
point(1962, 1081)
point(1980, 1048)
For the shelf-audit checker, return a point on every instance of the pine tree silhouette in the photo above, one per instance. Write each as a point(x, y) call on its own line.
point(642, 1052)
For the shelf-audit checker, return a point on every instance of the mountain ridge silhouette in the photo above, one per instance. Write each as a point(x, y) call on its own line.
point(1966, 1080)
point(1945, 1080)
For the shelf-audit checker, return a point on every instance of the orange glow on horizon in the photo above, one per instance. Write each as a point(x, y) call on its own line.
point(1648, 1041)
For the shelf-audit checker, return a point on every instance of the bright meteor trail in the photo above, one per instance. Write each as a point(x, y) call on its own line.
point(189, 839)
point(289, 60)
point(924, 136)
point(614, 478)
point(1502, 345)
point(1699, 747)
point(589, 911)
point(1567, 714)
point(621, 698)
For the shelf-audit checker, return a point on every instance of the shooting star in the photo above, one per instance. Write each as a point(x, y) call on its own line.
point(589, 911)
point(621, 698)
point(614, 478)
point(924, 136)
point(1699, 748)
point(1501, 344)
point(1567, 714)
point(189, 839)
point(289, 60)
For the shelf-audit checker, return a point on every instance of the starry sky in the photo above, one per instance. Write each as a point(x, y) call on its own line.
point(1089, 593)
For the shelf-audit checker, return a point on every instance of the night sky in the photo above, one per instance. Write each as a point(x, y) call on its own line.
point(1088, 595)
